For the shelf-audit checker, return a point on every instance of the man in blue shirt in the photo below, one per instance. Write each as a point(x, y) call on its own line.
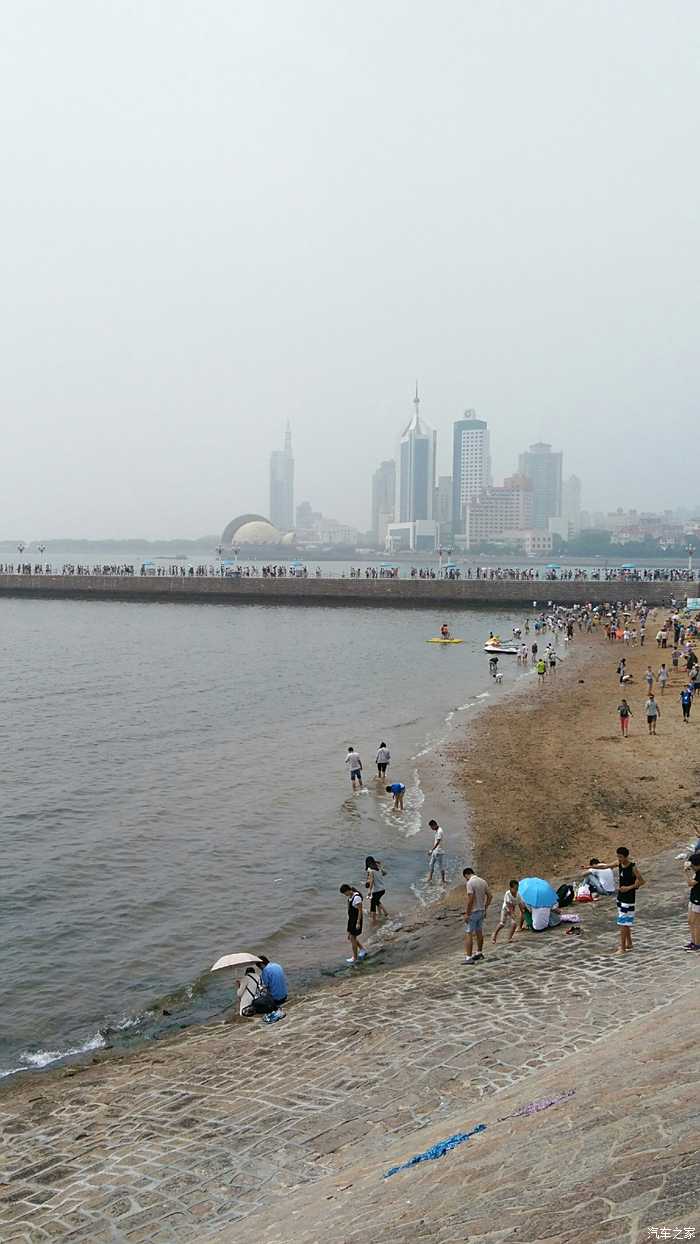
point(397, 790)
point(273, 988)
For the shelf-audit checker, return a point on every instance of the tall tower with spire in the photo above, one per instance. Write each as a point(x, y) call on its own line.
point(282, 485)
point(417, 453)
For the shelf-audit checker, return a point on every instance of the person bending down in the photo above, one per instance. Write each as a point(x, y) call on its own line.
point(397, 790)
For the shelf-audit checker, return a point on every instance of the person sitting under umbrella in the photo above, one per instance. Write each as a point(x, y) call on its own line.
point(539, 904)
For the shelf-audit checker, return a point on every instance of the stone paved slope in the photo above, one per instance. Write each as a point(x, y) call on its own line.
point(227, 1124)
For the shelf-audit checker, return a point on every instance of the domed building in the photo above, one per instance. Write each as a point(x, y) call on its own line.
point(254, 529)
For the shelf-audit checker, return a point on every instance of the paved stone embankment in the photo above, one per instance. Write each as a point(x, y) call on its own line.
point(312, 591)
point(249, 1132)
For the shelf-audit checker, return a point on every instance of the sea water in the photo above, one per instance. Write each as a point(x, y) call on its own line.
point(174, 789)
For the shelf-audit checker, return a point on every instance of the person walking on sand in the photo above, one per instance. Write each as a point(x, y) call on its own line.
point(508, 912)
point(478, 898)
point(686, 704)
point(437, 855)
point(541, 671)
point(397, 790)
point(692, 876)
point(653, 713)
point(629, 880)
point(354, 928)
point(621, 669)
point(649, 679)
point(382, 760)
point(376, 888)
point(354, 764)
point(662, 677)
point(625, 712)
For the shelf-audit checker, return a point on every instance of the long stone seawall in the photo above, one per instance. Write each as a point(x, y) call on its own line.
point(293, 591)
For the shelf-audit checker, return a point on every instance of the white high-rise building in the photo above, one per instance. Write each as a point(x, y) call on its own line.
point(471, 465)
point(416, 491)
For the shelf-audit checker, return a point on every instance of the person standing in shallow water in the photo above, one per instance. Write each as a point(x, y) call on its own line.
point(437, 853)
point(382, 759)
point(354, 926)
point(354, 764)
point(376, 888)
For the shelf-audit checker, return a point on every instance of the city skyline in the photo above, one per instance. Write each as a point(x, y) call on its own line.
point(189, 268)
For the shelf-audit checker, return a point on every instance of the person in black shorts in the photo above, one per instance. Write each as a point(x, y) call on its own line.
point(376, 888)
point(354, 929)
point(383, 758)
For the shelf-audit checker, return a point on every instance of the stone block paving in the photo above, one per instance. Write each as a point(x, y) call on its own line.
point(188, 1138)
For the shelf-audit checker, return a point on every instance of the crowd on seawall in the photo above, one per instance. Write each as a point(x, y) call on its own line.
point(529, 574)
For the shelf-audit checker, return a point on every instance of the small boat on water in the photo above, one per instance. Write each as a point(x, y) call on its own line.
point(500, 650)
point(439, 640)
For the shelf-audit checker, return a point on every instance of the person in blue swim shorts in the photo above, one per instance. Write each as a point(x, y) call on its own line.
point(478, 899)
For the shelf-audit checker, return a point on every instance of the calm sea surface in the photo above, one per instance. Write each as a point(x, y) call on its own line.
point(174, 789)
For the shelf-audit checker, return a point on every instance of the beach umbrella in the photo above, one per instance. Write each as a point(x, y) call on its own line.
point(536, 892)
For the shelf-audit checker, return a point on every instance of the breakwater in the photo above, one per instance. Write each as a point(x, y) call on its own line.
point(354, 592)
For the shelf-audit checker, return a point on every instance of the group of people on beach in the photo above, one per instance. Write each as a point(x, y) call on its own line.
point(516, 914)
point(684, 662)
point(622, 877)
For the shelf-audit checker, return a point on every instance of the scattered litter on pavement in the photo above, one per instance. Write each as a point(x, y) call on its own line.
point(437, 1151)
point(533, 1107)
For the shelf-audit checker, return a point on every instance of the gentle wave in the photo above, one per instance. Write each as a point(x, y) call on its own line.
point(43, 1058)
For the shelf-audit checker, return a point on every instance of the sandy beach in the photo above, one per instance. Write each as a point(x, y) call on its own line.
point(243, 1132)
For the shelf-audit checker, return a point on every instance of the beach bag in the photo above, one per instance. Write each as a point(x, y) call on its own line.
point(583, 894)
point(565, 895)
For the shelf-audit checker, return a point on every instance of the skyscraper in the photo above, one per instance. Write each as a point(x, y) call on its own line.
point(543, 468)
point(571, 504)
point(443, 505)
point(471, 464)
point(416, 469)
point(282, 485)
point(383, 499)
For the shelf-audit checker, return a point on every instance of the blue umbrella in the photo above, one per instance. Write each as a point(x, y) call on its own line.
point(536, 892)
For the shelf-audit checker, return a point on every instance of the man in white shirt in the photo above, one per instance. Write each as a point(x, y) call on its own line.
point(437, 855)
point(354, 764)
point(600, 880)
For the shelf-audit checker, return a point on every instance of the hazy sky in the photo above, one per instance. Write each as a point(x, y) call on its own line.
point(216, 215)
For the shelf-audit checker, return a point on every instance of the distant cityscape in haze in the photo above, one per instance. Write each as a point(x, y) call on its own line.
point(534, 512)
